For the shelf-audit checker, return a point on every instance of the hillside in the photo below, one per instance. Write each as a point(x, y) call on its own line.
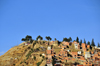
point(22, 55)
point(50, 53)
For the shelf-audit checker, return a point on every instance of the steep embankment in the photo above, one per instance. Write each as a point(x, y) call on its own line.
point(23, 55)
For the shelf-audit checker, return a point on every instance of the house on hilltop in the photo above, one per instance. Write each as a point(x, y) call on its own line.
point(77, 46)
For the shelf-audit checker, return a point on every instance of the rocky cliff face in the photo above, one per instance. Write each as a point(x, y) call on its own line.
point(24, 55)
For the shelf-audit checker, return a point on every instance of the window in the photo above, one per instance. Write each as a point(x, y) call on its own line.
point(78, 57)
point(64, 48)
point(80, 47)
point(87, 49)
point(76, 45)
point(98, 54)
point(67, 46)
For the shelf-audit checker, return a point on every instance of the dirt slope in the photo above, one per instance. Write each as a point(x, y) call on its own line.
point(22, 55)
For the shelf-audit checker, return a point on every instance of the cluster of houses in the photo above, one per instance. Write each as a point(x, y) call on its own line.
point(49, 57)
point(67, 52)
point(71, 52)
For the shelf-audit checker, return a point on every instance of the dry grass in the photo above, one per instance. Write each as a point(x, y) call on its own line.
point(57, 50)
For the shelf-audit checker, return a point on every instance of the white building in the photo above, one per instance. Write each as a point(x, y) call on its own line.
point(68, 50)
point(76, 46)
point(26, 44)
point(87, 55)
point(43, 54)
point(39, 39)
point(98, 47)
point(49, 48)
point(95, 46)
point(79, 52)
point(49, 64)
point(15, 58)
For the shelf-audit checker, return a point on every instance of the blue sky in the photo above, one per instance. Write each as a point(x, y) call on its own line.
point(54, 18)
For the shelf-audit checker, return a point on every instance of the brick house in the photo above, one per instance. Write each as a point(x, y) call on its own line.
point(87, 63)
point(92, 52)
point(83, 45)
point(57, 63)
point(96, 55)
point(88, 46)
point(81, 58)
point(74, 54)
point(65, 43)
point(48, 51)
point(66, 58)
point(73, 59)
point(62, 53)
